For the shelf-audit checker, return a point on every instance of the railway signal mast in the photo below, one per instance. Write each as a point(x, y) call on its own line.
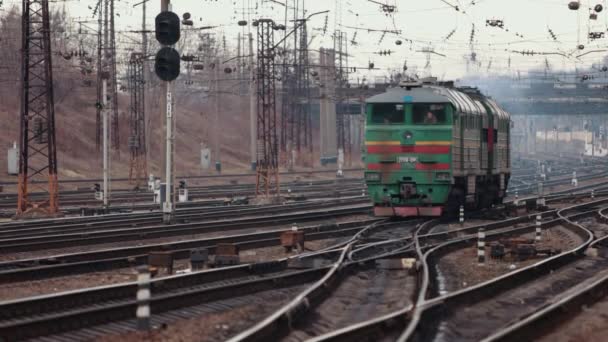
point(37, 150)
point(166, 66)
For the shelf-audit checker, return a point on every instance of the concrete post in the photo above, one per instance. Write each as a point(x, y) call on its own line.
point(143, 298)
point(461, 215)
point(481, 246)
point(538, 228)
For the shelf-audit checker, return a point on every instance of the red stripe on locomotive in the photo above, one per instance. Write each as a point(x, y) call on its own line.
point(432, 166)
point(383, 166)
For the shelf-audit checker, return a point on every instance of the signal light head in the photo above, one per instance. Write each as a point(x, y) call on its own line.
point(166, 64)
point(167, 28)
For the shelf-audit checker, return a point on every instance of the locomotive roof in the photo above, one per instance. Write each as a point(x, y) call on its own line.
point(414, 95)
point(437, 94)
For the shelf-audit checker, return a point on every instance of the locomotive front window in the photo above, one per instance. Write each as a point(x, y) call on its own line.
point(429, 114)
point(388, 113)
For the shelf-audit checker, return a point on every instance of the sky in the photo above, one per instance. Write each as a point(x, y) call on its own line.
point(434, 25)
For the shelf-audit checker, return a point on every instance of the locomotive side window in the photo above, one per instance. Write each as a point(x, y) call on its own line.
point(429, 114)
point(388, 113)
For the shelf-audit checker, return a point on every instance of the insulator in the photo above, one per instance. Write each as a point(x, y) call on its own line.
point(598, 8)
point(604, 68)
point(574, 5)
point(198, 67)
point(242, 22)
point(398, 42)
point(228, 70)
point(186, 15)
point(581, 46)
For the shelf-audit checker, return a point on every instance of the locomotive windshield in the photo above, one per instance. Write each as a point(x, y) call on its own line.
point(429, 114)
point(388, 113)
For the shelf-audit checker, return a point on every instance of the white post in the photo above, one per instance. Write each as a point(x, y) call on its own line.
point(538, 229)
point(574, 180)
point(516, 202)
point(340, 173)
point(592, 194)
point(106, 169)
point(216, 119)
point(481, 246)
point(252, 109)
point(143, 298)
point(168, 205)
point(461, 215)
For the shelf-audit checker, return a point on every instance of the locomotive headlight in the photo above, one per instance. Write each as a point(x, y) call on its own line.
point(408, 135)
point(443, 176)
point(372, 176)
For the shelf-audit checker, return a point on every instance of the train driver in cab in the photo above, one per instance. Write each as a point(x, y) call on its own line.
point(430, 118)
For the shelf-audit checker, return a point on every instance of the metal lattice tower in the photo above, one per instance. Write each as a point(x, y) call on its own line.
point(106, 64)
point(267, 180)
point(37, 155)
point(137, 120)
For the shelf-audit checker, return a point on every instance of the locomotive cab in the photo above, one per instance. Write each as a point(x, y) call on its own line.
point(424, 147)
point(408, 139)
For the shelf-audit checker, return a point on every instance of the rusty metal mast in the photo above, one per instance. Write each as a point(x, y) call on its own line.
point(267, 170)
point(137, 120)
point(37, 155)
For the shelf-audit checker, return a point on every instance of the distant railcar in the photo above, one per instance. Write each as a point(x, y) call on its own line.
point(431, 147)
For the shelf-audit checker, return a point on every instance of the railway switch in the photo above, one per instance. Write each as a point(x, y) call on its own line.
point(497, 250)
point(292, 239)
point(198, 258)
point(161, 260)
point(226, 254)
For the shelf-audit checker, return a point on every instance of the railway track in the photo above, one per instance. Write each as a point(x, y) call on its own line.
point(115, 258)
point(83, 309)
point(192, 177)
point(127, 200)
point(405, 323)
point(499, 302)
point(62, 237)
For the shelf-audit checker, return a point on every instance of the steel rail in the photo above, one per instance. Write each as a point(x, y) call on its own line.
point(429, 307)
point(377, 327)
point(226, 175)
point(557, 311)
point(80, 263)
point(267, 218)
point(70, 310)
point(283, 318)
point(131, 219)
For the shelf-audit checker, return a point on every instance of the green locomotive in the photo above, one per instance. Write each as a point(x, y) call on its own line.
point(431, 147)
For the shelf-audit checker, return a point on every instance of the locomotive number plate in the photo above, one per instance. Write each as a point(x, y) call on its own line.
point(405, 159)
